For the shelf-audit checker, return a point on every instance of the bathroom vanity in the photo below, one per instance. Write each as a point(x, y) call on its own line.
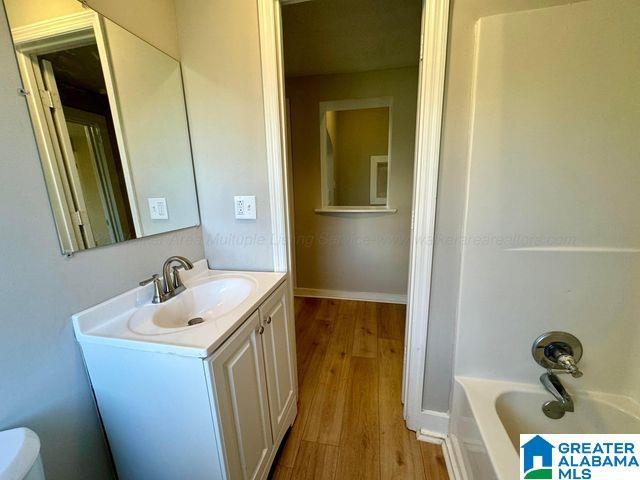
point(202, 386)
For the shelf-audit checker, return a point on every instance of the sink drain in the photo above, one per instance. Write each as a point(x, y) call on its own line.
point(195, 321)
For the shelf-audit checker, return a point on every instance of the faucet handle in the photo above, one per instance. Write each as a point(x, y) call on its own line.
point(569, 364)
point(157, 287)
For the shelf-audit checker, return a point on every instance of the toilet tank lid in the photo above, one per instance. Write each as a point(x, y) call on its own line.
point(19, 449)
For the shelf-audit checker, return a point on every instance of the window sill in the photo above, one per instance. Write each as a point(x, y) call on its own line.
point(380, 209)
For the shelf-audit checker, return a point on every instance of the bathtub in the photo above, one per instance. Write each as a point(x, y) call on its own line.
point(488, 416)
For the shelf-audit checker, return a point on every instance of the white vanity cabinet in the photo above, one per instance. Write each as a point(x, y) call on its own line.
point(241, 399)
point(253, 378)
point(176, 413)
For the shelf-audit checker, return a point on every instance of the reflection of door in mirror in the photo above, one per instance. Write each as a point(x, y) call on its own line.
point(84, 129)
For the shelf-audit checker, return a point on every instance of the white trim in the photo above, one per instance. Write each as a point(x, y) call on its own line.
point(365, 209)
point(359, 296)
point(433, 53)
point(434, 423)
point(374, 161)
point(275, 115)
point(451, 457)
point(116, 116)
point(54, 27)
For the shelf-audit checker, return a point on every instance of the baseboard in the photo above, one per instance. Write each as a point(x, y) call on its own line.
point(431, 424)
point(449, 452)
point(343, 295)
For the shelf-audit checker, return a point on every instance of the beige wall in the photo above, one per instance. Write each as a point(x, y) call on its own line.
point(43, 382)
point(223, 85)
point(359, 135)
point(24, 12)
point(151, 20)
point(352, 252)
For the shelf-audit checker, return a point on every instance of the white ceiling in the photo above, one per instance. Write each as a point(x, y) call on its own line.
point(341, 36)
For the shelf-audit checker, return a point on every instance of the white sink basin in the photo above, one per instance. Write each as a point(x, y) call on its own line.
point(202, 302)
point(222, 299)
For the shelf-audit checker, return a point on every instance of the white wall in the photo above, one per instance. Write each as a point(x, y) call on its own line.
point(552, 215)
point(221, 66)
point(150, 99)
point(452, 178)
point(42, 380)
point(352, 252)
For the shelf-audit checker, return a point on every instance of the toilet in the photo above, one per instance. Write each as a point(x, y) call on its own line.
point(20, 455)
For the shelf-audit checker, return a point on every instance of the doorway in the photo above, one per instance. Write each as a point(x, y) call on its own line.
point(428, 121)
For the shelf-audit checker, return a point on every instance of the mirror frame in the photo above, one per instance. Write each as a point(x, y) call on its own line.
point(344, 105)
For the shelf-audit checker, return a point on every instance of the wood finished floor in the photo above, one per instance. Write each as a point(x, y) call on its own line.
point(349, 423)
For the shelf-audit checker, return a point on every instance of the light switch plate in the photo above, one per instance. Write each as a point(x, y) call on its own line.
point(245, 207)
point(158, 208)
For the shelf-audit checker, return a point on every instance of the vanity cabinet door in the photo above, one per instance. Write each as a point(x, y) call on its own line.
point(241, 397)
point(279, 352)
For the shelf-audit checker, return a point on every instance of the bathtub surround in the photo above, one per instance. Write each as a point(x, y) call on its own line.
point(551, 226)
point(452, 180)
point(44, 385)
point(554, 137)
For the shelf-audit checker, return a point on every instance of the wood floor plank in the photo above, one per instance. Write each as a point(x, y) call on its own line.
point(282, 473)
point(391, 320)
point(349, 423)
point(359, 446)
point(310, 364)
point(319, 330)
point(365, 338)
point(325, 418)
point(399, 459)
point(316, 461)
point(306, 313)
point(435, 467)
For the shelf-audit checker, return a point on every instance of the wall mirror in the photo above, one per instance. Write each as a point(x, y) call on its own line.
point(355, 154)
point(110, 122)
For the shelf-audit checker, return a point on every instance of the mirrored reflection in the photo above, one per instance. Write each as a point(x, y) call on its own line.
point(110, 123)
point(355, 152)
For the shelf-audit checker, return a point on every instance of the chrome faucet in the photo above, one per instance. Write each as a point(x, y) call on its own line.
point(558, 352)
point(172, 284)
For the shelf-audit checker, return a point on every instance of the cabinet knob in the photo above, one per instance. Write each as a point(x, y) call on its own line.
point(268, 319)
point(260, 330)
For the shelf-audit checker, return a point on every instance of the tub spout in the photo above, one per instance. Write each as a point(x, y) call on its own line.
point(563, 402)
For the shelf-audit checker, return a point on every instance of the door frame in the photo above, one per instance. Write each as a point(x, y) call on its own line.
point(433, 54)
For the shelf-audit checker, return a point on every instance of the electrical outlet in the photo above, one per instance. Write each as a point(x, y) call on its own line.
point(245, 206)
point(158, 208)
